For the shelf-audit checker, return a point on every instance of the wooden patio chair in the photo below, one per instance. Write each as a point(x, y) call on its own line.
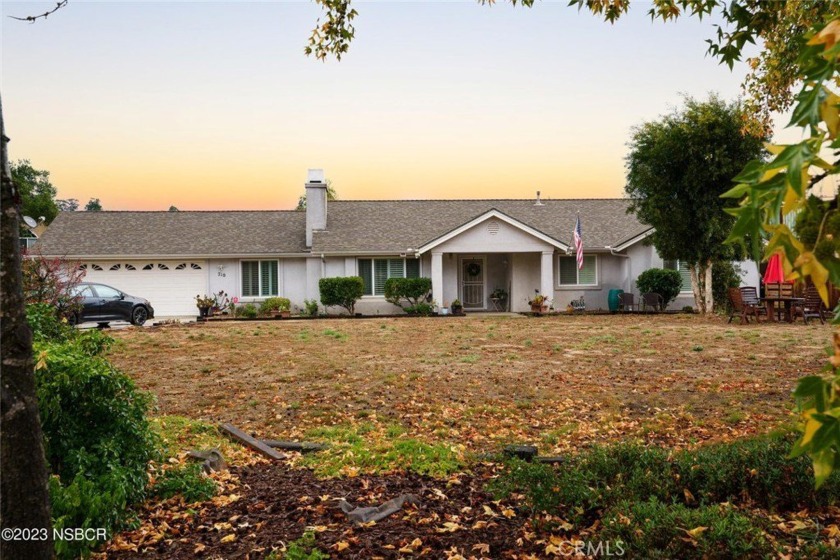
point(627, 301)
point(743, 310)
point(749, 295)
point(652, 299)
point(812, 306)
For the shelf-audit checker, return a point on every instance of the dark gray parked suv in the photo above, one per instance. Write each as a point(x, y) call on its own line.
point(102, 304)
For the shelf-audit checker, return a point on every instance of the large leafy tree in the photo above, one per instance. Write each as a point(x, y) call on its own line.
point(677, 168)
point(37, 194)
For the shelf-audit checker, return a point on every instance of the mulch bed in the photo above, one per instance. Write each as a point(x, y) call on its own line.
point(278, 503)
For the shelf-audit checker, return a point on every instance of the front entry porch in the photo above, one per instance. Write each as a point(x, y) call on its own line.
point(474, 279)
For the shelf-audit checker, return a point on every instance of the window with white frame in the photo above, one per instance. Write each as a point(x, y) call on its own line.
point(376, 271)
point(685, 274)
point(260, 279)
point(569, 275)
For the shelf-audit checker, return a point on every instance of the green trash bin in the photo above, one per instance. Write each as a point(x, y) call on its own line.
point(613, 299)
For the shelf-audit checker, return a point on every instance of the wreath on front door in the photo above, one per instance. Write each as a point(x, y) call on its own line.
point(473, 269)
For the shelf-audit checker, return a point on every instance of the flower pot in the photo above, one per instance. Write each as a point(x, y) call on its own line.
point(283, 314)
point(538, 309)
point(203, 311)
point(457, 309)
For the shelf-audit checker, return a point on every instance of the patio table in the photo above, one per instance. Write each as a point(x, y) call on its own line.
point(788, 301)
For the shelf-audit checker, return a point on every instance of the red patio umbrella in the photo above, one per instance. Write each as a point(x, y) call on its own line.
point(774, 273)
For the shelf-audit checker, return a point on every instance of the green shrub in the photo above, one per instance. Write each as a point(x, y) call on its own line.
point(188, 481)
point(755, 470)
point(653, 529)
point(665, 282)
point(248, 311)
point(310, 307)
point(97, 439)
point(45, 323)
point(342, 291)
point(413, 290)
point(725, 275)
point(275, 304)
point(424, 309)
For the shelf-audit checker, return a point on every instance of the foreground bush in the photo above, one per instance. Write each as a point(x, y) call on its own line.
point(187, 481)
point(97, 440)
point(342, 291)
point(648, 496)
point(652, 529)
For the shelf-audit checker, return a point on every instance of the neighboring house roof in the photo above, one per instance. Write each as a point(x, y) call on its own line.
point(91, 234)
point(353, 227)
point(357, 226)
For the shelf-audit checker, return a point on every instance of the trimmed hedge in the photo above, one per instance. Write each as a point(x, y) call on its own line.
point(413, 290)
point(665, 282)
point(342, 291)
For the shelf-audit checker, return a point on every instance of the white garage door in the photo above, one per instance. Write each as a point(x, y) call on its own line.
point(171, 286)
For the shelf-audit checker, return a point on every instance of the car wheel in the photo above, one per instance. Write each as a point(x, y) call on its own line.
point(139, 315)
point(73, 319)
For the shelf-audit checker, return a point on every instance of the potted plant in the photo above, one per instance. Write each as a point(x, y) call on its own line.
point(205, 305)
point(456, 307)
point(539, 303)
point(276, 307)
point(221, 303)
point(499, 294)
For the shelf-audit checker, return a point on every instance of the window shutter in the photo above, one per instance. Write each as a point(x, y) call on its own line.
point(568, 270)
point(366, 272)
point(412, 268)
point(250, 280)
point(396, 268)
point(380, 274)
point(268, 273)
point(588, 274)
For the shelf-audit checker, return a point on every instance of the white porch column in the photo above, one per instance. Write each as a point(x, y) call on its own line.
point(437, 278)
point(547, 274)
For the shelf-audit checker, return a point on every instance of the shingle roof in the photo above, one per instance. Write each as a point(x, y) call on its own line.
point(353, 226)
point(396, 225)
point(175, 233)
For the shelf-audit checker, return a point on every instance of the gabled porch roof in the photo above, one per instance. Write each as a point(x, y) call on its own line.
point(492, 213)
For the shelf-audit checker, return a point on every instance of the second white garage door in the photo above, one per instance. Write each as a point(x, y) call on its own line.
point(171, 286)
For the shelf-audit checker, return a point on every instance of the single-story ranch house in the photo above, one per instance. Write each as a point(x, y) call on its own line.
point(469, 248)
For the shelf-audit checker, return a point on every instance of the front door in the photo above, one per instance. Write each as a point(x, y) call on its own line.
point(473, 274)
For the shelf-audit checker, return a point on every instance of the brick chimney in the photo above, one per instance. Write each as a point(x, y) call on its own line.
point(316, 203)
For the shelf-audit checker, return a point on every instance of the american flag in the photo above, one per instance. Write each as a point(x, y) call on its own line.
point(578, 243)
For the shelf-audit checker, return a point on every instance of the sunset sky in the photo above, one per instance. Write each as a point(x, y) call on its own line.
point(213, 105)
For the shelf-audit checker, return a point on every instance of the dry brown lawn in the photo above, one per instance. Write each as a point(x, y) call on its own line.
point(478, 382)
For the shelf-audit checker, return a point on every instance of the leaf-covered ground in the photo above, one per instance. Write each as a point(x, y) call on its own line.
point(406, 405)
point(475, 383)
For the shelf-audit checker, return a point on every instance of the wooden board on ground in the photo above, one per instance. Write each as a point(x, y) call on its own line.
point(303, 447)
point(251, 442)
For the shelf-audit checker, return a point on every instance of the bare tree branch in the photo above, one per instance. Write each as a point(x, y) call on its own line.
point(32, 19)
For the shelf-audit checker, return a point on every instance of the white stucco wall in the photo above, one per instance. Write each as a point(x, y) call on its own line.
point(526, 279)
point(224, 275)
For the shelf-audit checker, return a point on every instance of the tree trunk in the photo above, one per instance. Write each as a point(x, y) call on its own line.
point(709, 296)
point(696, 288)
point(23, 469)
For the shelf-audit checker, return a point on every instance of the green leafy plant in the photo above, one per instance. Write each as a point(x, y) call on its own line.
point(98, 441)
point(188, 481)
point(422, 308)
point(275, 304)
point(665, 282)
point(205, 301)
point(412, 291)
point(304, 548)
point(310, 307)
point(342, 291)
point(247, 311)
